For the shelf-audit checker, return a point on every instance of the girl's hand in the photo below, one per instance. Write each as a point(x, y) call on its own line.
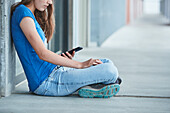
point(91, 62)
point(68, 55)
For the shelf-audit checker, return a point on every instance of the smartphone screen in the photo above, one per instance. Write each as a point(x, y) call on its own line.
point(71, 51)
point(75, 49)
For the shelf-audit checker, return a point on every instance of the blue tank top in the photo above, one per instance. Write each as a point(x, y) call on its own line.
point(36, 70)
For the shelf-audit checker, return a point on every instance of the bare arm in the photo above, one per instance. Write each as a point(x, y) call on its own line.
point(28, 27)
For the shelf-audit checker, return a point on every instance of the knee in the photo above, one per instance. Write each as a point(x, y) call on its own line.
point(112, 72)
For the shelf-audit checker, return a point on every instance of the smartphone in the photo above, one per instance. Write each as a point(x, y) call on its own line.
point(71, 51)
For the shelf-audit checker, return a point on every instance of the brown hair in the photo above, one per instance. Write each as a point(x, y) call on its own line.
point(44, 18)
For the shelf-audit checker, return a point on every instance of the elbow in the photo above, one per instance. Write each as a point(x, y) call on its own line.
point(43, 55)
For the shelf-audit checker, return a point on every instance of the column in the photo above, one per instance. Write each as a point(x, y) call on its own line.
point(7, 52)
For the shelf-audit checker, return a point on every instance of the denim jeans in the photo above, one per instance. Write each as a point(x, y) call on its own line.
point(64, 80)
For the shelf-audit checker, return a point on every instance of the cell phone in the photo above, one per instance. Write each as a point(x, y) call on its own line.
point(71, 51)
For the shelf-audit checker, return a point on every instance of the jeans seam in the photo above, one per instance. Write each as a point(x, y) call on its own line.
point(100, 80)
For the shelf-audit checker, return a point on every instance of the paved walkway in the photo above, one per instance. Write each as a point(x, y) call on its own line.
point(141, 51)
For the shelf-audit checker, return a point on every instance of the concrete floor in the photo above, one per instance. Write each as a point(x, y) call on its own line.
point(141, 51)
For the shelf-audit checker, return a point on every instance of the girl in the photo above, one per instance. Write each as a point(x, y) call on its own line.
point(32, 26)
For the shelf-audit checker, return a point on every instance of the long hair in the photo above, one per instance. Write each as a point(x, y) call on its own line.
point(44, 18)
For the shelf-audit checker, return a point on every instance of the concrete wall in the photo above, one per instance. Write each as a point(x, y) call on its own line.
point(0, 50)
point(165, 8)
point(7, 53)
point(134, 9)
point(107, 16)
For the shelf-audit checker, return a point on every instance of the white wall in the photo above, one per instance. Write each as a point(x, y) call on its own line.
point(81, 25)
point(151, 6)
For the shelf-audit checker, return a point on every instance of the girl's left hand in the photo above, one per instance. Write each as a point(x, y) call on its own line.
point(68, 55)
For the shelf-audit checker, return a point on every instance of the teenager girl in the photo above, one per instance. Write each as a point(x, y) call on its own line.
point(32, 27)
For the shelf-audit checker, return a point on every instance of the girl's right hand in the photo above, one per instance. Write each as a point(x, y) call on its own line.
point(91, 62)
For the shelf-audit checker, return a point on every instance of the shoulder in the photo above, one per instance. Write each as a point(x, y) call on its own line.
point(22, 10)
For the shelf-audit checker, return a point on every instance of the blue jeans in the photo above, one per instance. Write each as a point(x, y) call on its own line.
point(64, 80)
